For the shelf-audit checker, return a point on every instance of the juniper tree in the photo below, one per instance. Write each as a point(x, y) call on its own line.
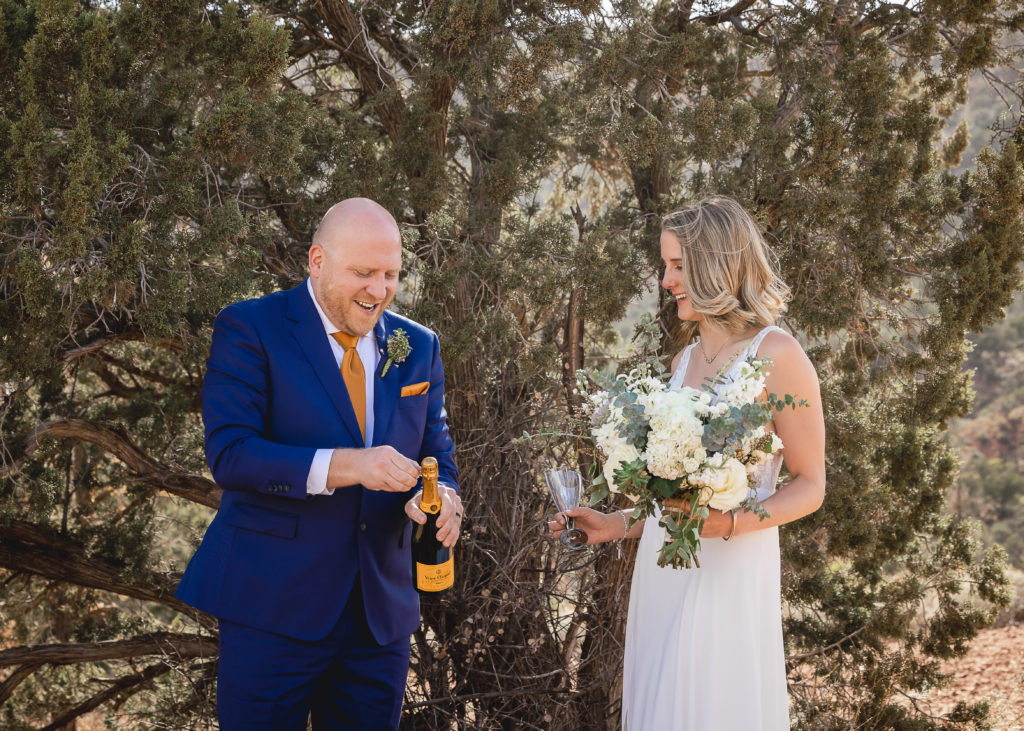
point(162, 159)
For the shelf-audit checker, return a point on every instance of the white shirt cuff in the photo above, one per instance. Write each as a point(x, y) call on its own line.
point(316, 481)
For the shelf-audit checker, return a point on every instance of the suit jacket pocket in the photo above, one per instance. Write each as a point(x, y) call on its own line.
point(415, 389)
point(412, 402)
point(263, 520)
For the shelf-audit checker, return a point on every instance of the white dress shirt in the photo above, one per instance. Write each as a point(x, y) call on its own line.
point(366, 347)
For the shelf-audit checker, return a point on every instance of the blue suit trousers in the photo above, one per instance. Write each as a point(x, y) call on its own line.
point(267, 681)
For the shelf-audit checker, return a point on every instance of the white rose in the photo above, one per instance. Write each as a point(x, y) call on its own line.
point(691, 465)
point(605, 436)
point(614, 448)
point(732, 487)
point(621, 451)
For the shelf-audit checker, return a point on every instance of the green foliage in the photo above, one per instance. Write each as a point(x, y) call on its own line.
point(989, 486)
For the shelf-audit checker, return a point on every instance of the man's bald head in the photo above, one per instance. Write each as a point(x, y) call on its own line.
point(354, 263)
point(354, 214)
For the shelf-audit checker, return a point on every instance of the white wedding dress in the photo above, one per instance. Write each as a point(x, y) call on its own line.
point(704, 645)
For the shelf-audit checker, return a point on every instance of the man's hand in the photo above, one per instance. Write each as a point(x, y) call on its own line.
point(375, 468)
point(449, 521)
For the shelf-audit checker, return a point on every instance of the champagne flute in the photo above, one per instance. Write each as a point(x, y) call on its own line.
point(566, 488)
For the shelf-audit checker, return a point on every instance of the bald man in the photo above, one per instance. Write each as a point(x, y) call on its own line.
point(316, 420)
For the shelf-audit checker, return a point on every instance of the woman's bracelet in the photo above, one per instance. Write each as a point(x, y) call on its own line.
point(625, 532)
point(733, 531)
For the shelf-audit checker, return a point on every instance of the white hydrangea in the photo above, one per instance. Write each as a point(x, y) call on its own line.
point(675, 433)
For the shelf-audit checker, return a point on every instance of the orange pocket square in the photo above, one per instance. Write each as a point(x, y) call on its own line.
point(415, 389)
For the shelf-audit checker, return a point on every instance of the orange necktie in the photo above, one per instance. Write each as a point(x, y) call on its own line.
point(354, 376)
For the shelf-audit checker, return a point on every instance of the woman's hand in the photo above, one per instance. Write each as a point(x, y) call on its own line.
point(599, 527)
point(717, 524)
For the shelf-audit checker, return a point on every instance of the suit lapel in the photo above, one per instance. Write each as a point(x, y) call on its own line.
point(386, 388)
point(308, 331)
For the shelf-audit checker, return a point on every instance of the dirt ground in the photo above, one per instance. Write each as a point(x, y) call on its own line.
point(992, 669)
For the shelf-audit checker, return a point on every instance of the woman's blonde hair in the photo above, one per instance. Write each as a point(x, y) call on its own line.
point(729, 271)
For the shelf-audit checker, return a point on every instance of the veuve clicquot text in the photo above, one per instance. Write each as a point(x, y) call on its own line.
point(432, 562)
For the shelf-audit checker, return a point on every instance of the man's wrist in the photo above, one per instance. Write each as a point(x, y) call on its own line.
point(344, 468)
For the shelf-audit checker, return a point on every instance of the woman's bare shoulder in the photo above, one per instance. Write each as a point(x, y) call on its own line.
point(779, 344)
point(789, 361)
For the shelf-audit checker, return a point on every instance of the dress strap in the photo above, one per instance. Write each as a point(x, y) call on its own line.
point(756, 342)
point(676, 380)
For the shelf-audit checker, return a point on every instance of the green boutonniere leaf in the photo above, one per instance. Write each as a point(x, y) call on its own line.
point(398, 349)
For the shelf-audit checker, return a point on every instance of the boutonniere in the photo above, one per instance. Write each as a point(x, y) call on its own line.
point(398, 350)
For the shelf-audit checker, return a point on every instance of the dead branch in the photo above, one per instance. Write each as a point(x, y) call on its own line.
point(29, 548)
point(115, 441)
point(16, 678)
point(154, 643)
point(128, 685)
point(725, 14)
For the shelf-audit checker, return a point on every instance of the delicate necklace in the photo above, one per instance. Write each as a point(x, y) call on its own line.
point(709, 361)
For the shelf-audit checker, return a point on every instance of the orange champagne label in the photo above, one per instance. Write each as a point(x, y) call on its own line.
point(435, 577)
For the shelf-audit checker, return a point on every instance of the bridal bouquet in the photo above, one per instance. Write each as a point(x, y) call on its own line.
point(683, 450)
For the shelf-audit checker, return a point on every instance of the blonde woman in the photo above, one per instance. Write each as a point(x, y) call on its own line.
point(704, 646)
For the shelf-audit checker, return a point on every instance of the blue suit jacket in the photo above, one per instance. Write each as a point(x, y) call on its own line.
point(275, 558)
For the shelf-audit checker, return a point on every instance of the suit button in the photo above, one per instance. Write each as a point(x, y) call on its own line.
point(362, 526)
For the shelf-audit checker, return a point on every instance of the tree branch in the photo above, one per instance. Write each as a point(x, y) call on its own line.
point(128, 685)
point(16, 678)
point(191, 487)
point(153, 643)
point(136, 371)
point(789, 109)
point(495, 694)
point(66, 355)
point(76, 350)
point(573, 331)
point(351, 39)
point(396, 46)
point(31, 549)
point(727, 14)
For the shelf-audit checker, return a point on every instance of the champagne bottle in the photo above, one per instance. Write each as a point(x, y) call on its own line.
point(433, 563)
